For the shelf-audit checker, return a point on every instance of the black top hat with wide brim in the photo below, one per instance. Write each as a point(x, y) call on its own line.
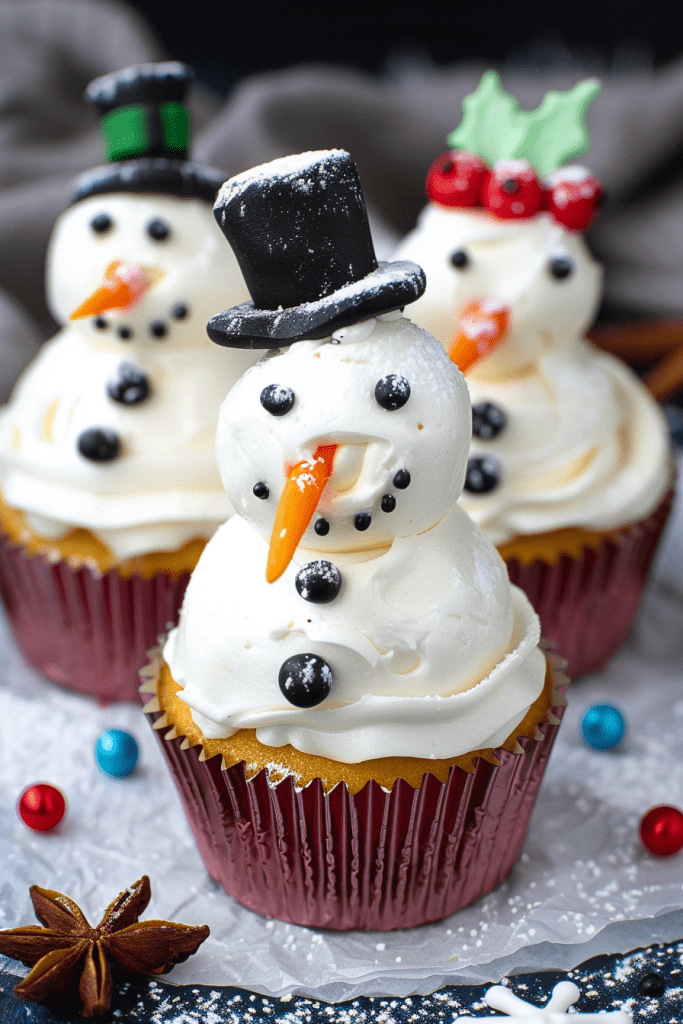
point(300, 232)
point(145, 128)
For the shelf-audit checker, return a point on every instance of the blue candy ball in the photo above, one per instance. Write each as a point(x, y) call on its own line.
point(116, 753)
point(603, 726)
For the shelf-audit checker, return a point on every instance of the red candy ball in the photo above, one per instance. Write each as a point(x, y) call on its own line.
point(512, 190)
point(41, 807)
point(574, 202)
point(661, 830)
point(456, 179)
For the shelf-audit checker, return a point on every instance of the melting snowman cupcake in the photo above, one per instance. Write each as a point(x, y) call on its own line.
point(107, 444)
point(350, 624)
point(569, 452)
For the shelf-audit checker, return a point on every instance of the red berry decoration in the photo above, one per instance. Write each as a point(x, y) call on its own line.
point(661, 830)
point(456, 179)
point(41, 807)
point(575, 198)
point(512, 190)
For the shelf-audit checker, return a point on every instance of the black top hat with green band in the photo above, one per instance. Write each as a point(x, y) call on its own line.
point(146, 132)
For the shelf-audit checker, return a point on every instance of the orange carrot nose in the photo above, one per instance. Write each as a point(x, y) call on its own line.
point(124, 283)
point(482, 326)
point(298, 502)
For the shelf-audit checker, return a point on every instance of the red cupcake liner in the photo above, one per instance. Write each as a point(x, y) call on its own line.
point(587, 605)
point(375, 860)
point(87, 631)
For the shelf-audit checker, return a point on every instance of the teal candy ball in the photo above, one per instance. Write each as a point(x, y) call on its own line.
point(116, 752)
point(603, 726)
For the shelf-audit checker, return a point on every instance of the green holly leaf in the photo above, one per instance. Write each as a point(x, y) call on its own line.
point(494, 126)
point(557, 132)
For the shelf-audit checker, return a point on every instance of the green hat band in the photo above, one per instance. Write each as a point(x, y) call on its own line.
point(138, 130)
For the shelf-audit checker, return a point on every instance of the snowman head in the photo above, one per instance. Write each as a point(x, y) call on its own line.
point(138, 258)
point(356, 429)
point(541, 276)
point(144, 270)
point(383, 402)
point(502, 234)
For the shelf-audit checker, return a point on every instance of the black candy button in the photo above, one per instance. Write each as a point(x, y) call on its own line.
point(388, 503)
point(318, 582)
point(277, 399)
point(305, 680)
point(131, 386)
point(392, 391)
point(652, 984)
point(488, 420)
point(402, 479)
point(261, 490)
point(483, 474)
point(99, 444)
point(321, 527)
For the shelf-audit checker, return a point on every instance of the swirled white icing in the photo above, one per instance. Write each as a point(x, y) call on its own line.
point(433, 654)
point(585, 444)
point(164, 488)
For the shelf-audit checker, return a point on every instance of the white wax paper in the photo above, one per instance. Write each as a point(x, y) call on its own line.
point(584, 884)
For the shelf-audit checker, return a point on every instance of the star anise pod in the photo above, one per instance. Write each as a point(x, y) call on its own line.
point(68, 956)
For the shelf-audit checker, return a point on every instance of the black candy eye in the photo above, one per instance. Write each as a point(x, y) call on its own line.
point(179, 311)
point(158, 229)
point(101, 223)
point(392, 391)
point(460, 259)
point(561, 267)
point(277, 399)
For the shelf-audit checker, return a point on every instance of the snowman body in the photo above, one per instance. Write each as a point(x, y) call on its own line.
point(563, 435)
point(391, 586)
point(143, 373)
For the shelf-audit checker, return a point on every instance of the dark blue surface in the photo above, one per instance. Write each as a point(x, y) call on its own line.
point(605, 982)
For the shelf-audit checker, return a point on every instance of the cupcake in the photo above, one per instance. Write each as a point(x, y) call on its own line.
point(354, 705)
point(570, 471)
point(107, 466)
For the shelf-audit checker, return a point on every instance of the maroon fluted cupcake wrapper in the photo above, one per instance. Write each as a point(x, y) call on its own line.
point(373, 860)
point(587, 605)
point(85, 630)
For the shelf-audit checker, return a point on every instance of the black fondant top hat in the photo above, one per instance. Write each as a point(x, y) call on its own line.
point(300, 232)
point(145, 128)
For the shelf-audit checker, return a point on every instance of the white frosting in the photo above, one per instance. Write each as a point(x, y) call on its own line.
point(585, 444)
point(164, 488)
point(432, 652)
